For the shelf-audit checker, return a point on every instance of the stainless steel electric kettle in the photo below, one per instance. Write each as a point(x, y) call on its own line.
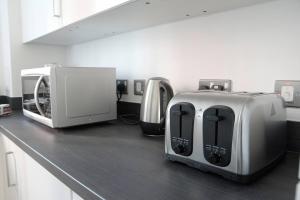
point(156, 97)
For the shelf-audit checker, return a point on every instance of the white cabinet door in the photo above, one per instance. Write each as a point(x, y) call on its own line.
point(75, 10)
point(40, 17)
point(1, 169)
point(76, 196)
point(11, 168)
point(42, 185)
point(2, 172)
point(22, 178)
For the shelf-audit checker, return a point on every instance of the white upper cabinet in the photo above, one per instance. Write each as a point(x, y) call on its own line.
point(79, 21)
point(75, 10)
point(40, 18)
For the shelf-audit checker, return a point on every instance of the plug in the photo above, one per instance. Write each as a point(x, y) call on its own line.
point(121, 88)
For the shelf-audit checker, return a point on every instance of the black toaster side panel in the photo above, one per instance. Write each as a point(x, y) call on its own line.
point(182, 117)
point(218, 124)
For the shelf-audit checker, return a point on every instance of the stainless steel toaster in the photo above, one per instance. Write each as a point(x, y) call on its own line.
point(236, 135)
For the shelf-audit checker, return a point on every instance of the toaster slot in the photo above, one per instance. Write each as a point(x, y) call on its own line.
point(218, 124)
point(182, 127)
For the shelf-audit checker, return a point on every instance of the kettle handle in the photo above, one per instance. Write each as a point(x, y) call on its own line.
point(168, 88)
point(169, 91)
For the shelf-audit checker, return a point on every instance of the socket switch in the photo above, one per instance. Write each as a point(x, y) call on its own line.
point(215, 84)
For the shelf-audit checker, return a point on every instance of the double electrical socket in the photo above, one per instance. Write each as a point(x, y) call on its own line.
point(290, 92)
point(138, 86)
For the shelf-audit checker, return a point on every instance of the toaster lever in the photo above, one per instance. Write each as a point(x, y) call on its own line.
point(214, 118)
point(179, 112)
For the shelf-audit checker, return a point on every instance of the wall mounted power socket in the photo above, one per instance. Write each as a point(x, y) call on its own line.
point(290, 92)
point(139, 87)
point(123, 85)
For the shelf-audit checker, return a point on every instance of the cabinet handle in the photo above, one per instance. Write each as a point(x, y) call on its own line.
point(11, 170)
point(56, 8)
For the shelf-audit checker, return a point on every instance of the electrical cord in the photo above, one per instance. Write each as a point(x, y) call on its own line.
point(119, 95)
point(130, 119)
point(120, 90)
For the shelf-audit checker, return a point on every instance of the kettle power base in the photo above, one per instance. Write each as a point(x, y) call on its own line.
point(152, 129)
point(245, 179)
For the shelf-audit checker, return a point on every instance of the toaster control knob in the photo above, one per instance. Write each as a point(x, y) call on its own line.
point(215, 158)
point(180, 148)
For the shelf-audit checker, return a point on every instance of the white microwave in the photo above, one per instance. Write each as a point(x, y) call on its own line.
point(68, 96)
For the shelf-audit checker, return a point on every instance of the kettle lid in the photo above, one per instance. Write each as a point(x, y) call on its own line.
point(159, 79)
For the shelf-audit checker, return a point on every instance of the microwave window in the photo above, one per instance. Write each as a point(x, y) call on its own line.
point(37, 101)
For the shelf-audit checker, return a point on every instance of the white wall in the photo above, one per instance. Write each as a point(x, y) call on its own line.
point(253, 46)
point(1, 65)
point(1, 62)
point(5, 59)
point(20, 56)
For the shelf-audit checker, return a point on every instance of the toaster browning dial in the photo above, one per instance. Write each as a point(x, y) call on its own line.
point(215, 154)
point(182, 117)
point(215, 158)
point(180, 145)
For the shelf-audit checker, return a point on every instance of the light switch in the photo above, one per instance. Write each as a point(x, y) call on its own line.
point(138, 86)
point(287, 92)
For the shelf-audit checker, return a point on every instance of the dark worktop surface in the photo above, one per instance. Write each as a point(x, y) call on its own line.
point(115, 161)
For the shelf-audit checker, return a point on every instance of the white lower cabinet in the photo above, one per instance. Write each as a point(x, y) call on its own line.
point(1, 171)
point(11, 169)
point(22, 178)
point(39, 184)
point(76, 196)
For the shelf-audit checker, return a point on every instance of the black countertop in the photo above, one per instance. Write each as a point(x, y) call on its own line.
point(115, 161)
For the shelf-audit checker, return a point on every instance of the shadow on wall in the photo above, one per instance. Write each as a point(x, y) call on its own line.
point(15, 102)
point(4, 100)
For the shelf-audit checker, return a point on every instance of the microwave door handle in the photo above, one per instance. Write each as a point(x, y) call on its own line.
point(36, 95)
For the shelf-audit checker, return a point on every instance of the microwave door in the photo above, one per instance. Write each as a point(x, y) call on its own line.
point(36, 95)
